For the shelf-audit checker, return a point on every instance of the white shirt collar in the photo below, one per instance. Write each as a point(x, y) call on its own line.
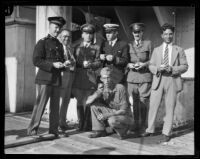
point(138, 42)
point(113, 41)
point(86, 43)
point(170, 44)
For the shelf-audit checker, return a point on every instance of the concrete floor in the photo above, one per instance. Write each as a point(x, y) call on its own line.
point(79, 143)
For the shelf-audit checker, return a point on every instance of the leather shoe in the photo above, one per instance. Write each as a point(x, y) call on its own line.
point(166, 138)
point(146, 134)
point(63, 127)
point(97, 134)
point(31, 132)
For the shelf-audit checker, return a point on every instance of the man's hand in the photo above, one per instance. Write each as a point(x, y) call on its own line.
point(131, 65)
point(168, 69)
point(58, 65)
point(103, 116)
point(109, 57)
point(102, 57)
point(67, 63)
point(86, 64)
point(139, 65)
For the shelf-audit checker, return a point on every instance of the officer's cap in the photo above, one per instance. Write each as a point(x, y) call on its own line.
point(88, 28)
point(57, 20)
point(135, 27)
point(110, 27)
point(106, 71)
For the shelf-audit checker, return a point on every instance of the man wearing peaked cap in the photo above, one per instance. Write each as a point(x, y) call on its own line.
point(88, 28)
point(139, 77)
point(85, 81)
point(111, 27)
point(57, 20)
point(48, 56)
point(137, 27)
point(115, 52)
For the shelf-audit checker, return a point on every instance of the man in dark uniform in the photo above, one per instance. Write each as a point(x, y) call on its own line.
point(48, 57)
point(85, 81)
point(110, 106)
point(139, 77)
point(115, 52)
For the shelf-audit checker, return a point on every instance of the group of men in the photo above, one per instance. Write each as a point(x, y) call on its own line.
point(102, 78)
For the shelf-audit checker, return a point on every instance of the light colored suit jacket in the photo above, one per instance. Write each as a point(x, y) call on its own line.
point(178, 62)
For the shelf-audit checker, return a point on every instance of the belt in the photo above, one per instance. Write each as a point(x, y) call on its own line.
point(142, 70)
point(166, 74)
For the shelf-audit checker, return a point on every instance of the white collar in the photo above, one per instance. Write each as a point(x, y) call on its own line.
point(170, 44)
point(138, 42)
point(86, 43)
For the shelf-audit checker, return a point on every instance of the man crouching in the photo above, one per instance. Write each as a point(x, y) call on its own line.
point(110, 107)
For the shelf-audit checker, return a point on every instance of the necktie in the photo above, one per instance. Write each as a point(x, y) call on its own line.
point(65, 53)
point(110, 43)
point(138, 43)
point(166, 58)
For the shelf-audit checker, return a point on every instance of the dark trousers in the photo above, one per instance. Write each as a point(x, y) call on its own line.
point(66, 88)
point(45, 93)
point(140, 93)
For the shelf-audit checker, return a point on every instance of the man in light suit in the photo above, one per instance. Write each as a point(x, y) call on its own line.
point(167, 63)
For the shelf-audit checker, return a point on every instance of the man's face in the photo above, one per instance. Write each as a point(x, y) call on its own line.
point(167, 36)
point(65, 37)
point(137, 35)
point(54, 29)
point(106, 79)
point(111, 35)
point(87, 37)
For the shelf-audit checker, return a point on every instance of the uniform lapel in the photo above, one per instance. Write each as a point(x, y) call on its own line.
point(115, 47)
point(174, 54)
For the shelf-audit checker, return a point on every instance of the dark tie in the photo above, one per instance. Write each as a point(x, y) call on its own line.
point(166, 58)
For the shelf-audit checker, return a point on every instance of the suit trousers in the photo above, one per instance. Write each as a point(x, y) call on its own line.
point(140, 93)
point(168, 88)
point(66, 88)
point(120, 123)
point(45, 93)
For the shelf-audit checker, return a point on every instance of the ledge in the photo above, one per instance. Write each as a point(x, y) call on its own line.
point(188, 78)
point(11, 21)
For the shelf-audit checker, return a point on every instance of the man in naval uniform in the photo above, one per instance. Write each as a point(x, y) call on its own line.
point(115, 52)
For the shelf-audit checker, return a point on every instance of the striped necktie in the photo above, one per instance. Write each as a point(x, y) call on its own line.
point(166, 56)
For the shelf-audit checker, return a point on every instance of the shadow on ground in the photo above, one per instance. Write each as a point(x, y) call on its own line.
point(23, 132)
point(151, 140)
point(104, 151)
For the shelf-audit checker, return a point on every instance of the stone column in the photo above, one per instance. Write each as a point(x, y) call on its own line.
point(42, 23)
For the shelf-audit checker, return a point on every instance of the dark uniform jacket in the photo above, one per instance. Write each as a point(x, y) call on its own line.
point(121, 57)
point(141, 53)
point(86, 78)
point(47, 51)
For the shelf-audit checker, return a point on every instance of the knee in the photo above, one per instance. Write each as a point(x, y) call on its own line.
point(144, 100)
point(112, 121)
